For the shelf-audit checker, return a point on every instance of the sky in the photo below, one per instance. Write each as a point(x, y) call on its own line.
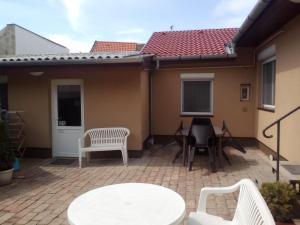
point(76, 24)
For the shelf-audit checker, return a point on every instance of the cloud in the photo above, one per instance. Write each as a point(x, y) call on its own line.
point(74, 12)
point(232, 13)
point(72, 44)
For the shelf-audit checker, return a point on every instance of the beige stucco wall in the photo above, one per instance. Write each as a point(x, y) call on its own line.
point(287, 92)
point(112, 97)
point(144, 88)
point(32, 95)
point(227, 105)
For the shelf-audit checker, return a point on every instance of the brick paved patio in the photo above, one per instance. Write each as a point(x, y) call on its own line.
point(47, 190)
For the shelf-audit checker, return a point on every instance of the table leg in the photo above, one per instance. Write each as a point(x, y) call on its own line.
point(191, 155)
point(219, 152)
point(212, 159)
point(184, 148)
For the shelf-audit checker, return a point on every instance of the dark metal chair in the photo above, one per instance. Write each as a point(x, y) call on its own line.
point(228, 141)
point(202, 136)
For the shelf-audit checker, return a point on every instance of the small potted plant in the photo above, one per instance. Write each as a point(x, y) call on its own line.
point(7, 156)
point(281, 199)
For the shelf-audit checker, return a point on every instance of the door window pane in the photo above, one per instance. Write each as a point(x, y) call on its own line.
point(196, 97)
point(69, 105)
point(268, 84)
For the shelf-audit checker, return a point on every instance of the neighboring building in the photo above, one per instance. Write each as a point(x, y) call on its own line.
point(177, 75)
point(16, 40)
point(113, 46)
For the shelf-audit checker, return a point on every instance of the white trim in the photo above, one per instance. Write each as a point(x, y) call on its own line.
point(211, 99)
point(267, 53)
point(269, 60)
point(198, 76)
point(272, 107)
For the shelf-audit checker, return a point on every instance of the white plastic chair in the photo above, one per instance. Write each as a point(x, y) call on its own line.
point(105, 139)
point(251, 207)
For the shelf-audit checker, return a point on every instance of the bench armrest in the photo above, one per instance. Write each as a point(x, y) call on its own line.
point(214, 190)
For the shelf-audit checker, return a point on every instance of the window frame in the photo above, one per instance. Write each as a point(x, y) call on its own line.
point(266, 106)
point(211, 113)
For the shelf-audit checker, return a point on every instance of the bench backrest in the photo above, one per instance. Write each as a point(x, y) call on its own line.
point(113, 135)
point(251, 207)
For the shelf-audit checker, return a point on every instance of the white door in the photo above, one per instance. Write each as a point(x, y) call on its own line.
point(67, 116)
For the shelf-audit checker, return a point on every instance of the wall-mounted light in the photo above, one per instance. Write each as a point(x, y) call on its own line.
point(36, 74)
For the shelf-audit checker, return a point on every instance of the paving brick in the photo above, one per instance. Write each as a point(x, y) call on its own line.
point(26, 219)
point(5, 217)
point(44, 196)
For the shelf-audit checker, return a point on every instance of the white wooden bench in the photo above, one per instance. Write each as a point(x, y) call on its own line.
point(105, 139)
point(251, 207)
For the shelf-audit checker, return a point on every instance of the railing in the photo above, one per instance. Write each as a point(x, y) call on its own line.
point(277, 122)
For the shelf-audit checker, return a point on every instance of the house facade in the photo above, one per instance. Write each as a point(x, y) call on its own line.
point(248, 77)
point(213, 80)
point(266, 59)
point(76, 92)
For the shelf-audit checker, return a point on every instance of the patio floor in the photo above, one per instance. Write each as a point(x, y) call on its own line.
point(43, 196)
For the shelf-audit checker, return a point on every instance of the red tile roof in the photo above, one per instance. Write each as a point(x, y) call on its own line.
point(112, 46)
point(189, 43)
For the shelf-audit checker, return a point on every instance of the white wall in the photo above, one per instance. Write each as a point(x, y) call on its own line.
point(7, 41)
point(30, 43)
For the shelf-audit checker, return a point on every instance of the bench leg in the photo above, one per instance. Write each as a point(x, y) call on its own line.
point(125, 156)
point(80, 158)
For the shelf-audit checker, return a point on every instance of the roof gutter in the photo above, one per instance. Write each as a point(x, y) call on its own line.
point(196, 57)
point(254, 14)
point(72, 62)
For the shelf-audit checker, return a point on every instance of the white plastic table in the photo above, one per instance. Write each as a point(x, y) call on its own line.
point(127, 204)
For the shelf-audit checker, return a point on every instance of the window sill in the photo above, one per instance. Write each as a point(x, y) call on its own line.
point(266, 109)
point(196, 115)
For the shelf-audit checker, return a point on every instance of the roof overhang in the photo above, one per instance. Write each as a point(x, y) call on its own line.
point(264, 20)
point(73, 59)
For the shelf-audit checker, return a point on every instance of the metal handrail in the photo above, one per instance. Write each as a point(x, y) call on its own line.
point(277, 122)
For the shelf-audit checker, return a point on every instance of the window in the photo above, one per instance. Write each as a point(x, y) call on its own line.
point(268, 84)
point(196, 95)
point(69, 105)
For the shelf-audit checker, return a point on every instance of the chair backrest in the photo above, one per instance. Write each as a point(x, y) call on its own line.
point(201, 131)
point(112, 135)
point(251, 207)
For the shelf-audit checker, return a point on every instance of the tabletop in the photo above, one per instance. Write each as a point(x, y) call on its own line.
point(218, 131)
point(128, 204)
